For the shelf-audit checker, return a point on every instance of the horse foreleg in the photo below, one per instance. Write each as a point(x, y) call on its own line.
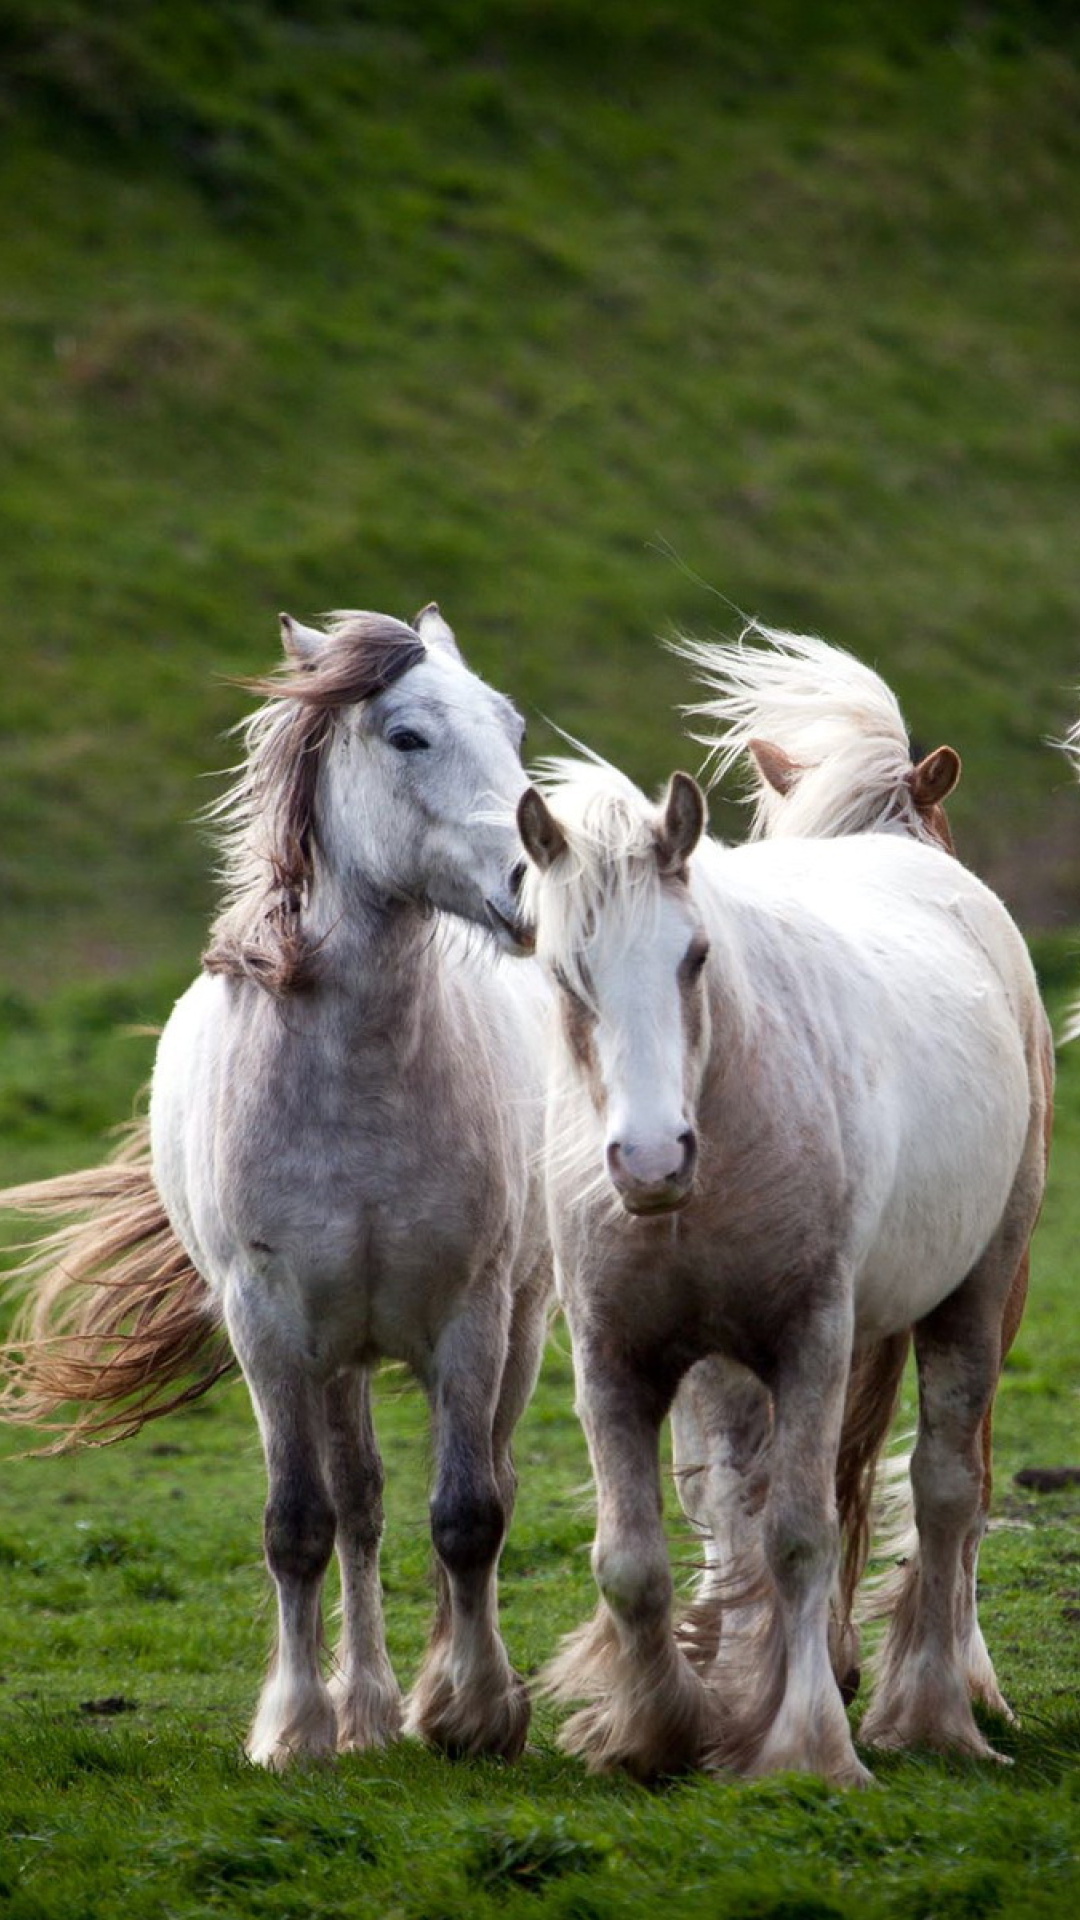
point(295, 1717)
point(720, 1424)
point(649, 1711)
point(363, 1688)
point(797, 1719)
point(528, 1327)
point(467, 1699)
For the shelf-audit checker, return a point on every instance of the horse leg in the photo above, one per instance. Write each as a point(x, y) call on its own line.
point(363, 1688)
point(295, 1716)
point(528, 1329)
point(649, 1710)
point(922, 1694)
point(978, 1666)
point(720, 1426)
point(467, 1699)
point(798, 1719)
point(934, 1658)
point(873, 1390)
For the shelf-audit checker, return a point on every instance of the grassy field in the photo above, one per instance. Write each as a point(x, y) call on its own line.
point(135, 1621)
point(496, 301)
point(591, 322)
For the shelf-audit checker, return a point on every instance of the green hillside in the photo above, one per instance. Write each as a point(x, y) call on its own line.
point(367, 304)
point(592, 322)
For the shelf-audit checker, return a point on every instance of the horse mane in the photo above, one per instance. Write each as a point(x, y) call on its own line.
point(266, 821)
point(610, 860)
point(828, 713)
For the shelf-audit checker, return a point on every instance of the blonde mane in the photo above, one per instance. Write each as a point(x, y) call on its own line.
point(266, 820)
point(828, 713)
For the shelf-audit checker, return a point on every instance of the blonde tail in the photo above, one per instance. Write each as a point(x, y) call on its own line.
point(114, 1317)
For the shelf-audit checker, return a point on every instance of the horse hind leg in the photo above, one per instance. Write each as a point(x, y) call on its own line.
point(365, 1693)
point(873, 1390)
point(978, 1667)
point(922, 1693)
point(934, 1660)
point(467, 1699)
point(295, 1717)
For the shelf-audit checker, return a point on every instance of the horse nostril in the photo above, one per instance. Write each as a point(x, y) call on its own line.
point(614, 1156)
point(517, 878)
point(688, 1142)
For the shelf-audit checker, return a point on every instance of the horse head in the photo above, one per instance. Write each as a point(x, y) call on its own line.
point(616, 923)
point(379, 770)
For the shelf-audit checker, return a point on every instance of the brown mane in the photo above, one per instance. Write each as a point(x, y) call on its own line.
point(268, 816)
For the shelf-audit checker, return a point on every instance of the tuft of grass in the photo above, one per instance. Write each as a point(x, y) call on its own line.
point(513, 1855)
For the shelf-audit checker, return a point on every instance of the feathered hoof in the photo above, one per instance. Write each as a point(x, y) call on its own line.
point(897, 1728)
point(983, 1688)
point(839, 1764)
point(369, 1712)
point(650, 1726)
point(586, 1664)
point(465, 1723)
point(287, 1734)
point(698, 1633)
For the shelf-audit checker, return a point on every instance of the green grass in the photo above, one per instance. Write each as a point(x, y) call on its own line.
point(499, 301)
point(135, 1620)
point(491, 302)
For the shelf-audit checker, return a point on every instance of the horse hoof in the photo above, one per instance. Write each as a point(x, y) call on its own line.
point(466, 1727)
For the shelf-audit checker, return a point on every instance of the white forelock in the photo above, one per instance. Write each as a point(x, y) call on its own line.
point(609, 864)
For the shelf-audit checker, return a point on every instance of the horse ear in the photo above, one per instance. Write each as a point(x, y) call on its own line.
point(543, 838)
point(777, 768)
point(934, 778)
point(300, 643)
point(433, 629)
point(682, 823)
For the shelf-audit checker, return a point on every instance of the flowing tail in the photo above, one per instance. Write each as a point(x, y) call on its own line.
point(824, 737)
point(873, 1391)
point(113, 1316)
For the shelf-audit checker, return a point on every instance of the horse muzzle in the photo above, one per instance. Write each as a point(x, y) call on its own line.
point(653, 1179)
point(513, 934)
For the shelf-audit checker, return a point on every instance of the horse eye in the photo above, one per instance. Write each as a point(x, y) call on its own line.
point(406, 741)
point(694, 963)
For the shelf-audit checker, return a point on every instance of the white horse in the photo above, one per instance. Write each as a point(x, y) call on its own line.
point(798, 1104)
point(341, 1167)
point(827, 750)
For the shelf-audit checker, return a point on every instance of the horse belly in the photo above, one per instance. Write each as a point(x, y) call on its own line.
point(951, 1178)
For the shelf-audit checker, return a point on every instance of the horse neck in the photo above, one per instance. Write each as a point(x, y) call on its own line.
point(372, 951)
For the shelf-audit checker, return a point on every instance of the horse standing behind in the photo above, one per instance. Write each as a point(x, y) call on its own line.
point(343, 1130)
point(798, 1105)
point(828, 753)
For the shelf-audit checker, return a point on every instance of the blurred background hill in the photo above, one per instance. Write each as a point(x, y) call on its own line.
point(589, 320)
